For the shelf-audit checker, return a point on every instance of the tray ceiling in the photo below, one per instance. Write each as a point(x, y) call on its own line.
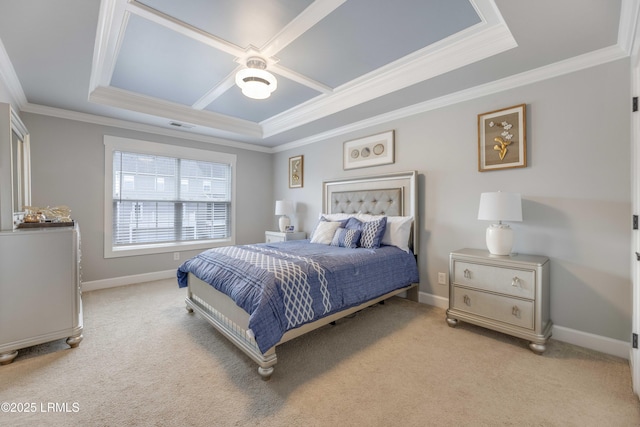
point(173, 64)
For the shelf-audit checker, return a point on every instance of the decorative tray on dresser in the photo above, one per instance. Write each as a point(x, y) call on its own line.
point(509, 294)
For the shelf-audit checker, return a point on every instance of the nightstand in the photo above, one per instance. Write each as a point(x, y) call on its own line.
point(509, 294)
point(277, 236)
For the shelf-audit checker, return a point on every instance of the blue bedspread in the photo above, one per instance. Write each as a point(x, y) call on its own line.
point(287, 284)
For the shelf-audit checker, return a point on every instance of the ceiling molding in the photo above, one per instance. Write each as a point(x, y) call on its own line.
point(489, 37)
point(628, 24)
point(578, 63)
point(476, 43)
point(173, 111)
point(581, 62)
point(140, 127)
point(309, 17)
point(183, 28)
point(299, 78)
point(10, 78)
point(109, 35)
point(216, 91)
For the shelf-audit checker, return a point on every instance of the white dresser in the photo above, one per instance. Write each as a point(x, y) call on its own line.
point(277, 236)
point(40, 296)
point(509, 294)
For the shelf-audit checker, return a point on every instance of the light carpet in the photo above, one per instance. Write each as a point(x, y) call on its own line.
point(145, 361)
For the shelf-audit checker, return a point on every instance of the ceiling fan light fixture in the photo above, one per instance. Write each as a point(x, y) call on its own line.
point(255, 81)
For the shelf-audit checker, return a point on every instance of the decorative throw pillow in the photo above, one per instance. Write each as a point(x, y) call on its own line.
point(326, 218)
point(397, 232)
point(324, 232)
point(372, 232)
point(346, 238)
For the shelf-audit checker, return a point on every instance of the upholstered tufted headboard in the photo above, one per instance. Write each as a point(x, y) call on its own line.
point(392, 194)
point(374, 202)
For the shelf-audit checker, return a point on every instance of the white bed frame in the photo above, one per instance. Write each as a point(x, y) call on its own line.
point(353, 195)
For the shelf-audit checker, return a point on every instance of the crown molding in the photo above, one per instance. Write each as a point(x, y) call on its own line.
point(10, 78)
point(485, 39)
point(628, 26)
point(581, 62)
point(140, 127)
point(173, 111)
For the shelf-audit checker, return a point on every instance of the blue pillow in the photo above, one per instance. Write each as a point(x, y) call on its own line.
point(372, 232)
point(346, 238)
point(353, 223)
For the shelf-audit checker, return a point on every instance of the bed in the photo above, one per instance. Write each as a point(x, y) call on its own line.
point(291, 288)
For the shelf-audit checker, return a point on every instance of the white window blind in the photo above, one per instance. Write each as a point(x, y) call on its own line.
point(160, 199)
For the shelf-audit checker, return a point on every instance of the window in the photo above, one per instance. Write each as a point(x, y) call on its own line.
point(163, 198)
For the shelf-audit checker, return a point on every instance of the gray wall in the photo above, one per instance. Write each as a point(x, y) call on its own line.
point(67, 163)
point(576, 189)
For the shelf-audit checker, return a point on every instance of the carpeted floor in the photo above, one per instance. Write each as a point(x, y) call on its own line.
point(145, 361)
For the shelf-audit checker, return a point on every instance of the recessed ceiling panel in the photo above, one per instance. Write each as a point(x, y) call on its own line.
point(164, 64)
point(288, 95)
point(363, 35)
point(241, 22)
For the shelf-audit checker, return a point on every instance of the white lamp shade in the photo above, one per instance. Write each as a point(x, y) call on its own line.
point(284, 207)
point(500, 206)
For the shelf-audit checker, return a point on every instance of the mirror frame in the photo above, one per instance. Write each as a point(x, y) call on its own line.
point(15, 167)
point(20, 166)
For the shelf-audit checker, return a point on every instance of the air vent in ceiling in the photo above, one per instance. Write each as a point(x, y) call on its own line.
point(181, 125)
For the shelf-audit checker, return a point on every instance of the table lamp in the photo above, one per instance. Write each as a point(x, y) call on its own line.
point(284, 208)
point(500, 206)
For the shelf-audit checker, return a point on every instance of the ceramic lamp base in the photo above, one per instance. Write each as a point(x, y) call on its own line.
point(283, 223)
point(499, 239)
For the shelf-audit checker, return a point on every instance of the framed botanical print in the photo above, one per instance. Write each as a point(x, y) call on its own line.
point(502, 139)
point(296, 169)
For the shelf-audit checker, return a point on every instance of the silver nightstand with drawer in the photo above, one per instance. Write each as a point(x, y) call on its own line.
point(277, 236)
point(509, 294)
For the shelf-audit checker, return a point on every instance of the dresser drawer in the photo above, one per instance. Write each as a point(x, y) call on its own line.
point(497, 307)
point(273, 238)
point(504, 280)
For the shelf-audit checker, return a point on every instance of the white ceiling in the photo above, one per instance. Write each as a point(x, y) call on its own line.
point(340, 64)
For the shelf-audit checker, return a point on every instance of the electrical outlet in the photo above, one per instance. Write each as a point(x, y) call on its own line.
point(442, 278)
point(176, 256)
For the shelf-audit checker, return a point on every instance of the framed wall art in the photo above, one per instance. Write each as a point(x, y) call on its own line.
point(296, 169)
point(502, 139)
point(372, 150)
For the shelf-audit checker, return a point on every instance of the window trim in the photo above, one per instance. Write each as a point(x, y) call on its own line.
point(114, 143)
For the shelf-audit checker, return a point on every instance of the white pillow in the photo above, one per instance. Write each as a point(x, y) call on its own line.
point(330, 217)
point(324, 232)
point(397, 232)
point(336, 216)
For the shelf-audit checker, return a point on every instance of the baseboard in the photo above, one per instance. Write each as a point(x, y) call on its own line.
point(583, 339)
point(592, 341)
point(94, 285)
point(440, 302)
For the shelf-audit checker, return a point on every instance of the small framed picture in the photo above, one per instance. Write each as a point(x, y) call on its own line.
point(289, 229)
point(502, 139)
point(372, 150)
point(296, 165)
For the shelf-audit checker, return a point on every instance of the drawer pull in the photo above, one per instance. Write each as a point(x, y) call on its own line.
point(515, 282)
point(515, 311)
point(467, 273)
point(467, 300)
